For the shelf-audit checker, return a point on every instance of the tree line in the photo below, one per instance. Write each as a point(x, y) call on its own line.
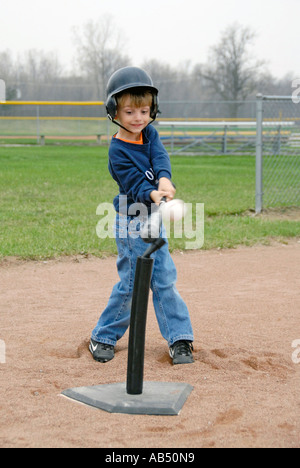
point(230, 74)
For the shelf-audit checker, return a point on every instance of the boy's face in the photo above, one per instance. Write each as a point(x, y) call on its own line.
point(134, 119)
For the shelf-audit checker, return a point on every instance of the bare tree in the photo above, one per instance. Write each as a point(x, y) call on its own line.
point(98, 46)
point(6, 65)
point(163, 76)
point(39, 66)
point(37, 74)
point(231, 71)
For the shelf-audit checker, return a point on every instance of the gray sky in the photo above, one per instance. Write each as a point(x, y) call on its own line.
point(171, 31)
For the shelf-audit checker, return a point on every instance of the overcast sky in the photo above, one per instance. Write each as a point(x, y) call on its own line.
point(171, 31)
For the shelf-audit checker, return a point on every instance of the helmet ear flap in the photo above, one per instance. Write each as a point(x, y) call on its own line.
point(154, 108)
point(111, 107)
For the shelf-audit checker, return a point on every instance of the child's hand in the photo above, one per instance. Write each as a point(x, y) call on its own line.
point(157, 195)
point(166, 186)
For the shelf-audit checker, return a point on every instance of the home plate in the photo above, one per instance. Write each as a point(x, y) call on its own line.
point(158, 398)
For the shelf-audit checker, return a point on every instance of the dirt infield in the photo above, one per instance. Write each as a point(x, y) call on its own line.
point(245, 308)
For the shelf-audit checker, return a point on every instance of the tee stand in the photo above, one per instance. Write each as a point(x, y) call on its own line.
point(138, 318)
point(137, 397)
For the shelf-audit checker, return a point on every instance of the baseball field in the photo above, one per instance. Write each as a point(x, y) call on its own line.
point(56, 275)
point(50, 195)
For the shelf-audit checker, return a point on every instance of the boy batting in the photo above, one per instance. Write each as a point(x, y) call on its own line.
point(141, 166)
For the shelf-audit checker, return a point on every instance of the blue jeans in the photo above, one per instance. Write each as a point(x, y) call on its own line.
point(170, 309)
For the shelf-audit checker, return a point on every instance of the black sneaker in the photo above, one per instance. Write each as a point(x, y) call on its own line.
point(101, 352)
point(181, 352)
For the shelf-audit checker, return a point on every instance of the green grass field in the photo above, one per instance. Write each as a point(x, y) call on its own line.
point(49, 196)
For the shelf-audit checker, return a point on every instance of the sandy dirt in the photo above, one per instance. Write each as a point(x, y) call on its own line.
point(245, 308)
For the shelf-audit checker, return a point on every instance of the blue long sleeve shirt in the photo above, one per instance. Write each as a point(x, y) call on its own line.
point(137, 168)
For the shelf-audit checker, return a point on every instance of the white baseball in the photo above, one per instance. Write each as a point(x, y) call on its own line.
point(174, 210)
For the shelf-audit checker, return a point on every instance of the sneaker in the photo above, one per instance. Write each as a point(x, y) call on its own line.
point(181, 352)
point(101, 352)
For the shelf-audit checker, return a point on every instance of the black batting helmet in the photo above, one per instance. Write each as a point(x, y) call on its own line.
point(129, 78)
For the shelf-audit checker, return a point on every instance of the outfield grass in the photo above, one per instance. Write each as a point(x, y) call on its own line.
point(49, 196)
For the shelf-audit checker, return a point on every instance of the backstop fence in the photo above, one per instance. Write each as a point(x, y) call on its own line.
point(52, 119)
point(42, 120)
point(268, 127)
point(277, 152)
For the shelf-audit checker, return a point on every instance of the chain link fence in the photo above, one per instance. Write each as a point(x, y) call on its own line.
point(277, 152)
point(37, 119)
point(268, 127)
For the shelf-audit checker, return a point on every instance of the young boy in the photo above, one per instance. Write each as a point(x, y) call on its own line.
point(140, 165)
